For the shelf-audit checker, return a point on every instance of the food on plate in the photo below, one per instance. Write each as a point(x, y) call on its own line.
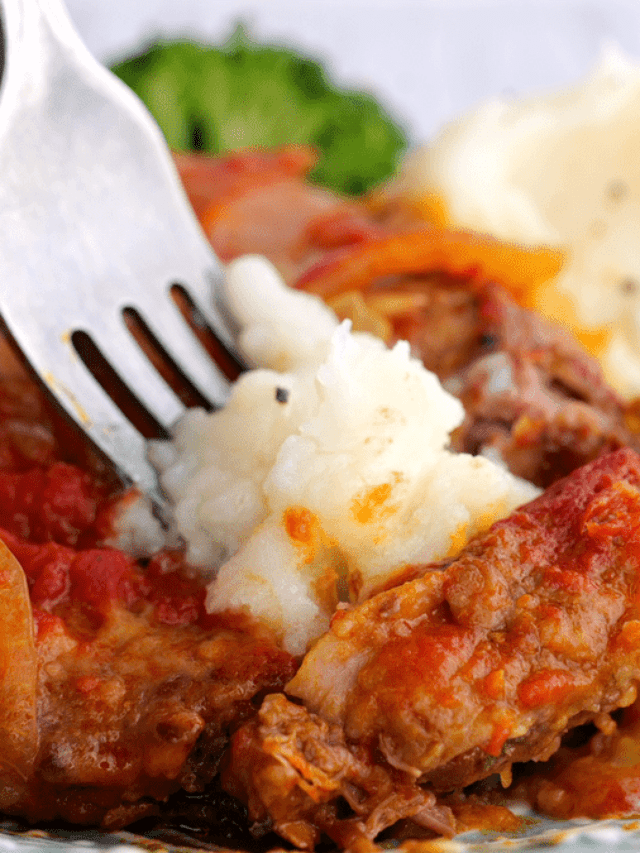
point(532, 396)
point(344, 481)
point(597, 778)
point(243, 95)
point(474, 665)
point(510, 168)
point(110, 671)
point(375, 611)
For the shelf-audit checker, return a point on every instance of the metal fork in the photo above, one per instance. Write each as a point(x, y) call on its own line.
point(93, 220)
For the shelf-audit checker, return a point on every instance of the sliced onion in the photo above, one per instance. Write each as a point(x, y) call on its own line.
point(18, 680)
point(430, 249)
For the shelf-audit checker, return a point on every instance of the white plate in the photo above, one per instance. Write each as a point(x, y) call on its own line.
point(542, 835)
point(427, 60)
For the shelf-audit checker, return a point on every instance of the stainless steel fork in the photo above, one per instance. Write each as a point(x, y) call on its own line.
point(93, 221)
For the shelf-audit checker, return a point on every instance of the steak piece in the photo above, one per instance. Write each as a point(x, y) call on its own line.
point(470, 666)
point(295, 771)
point(138, 711)
point(129, 692)
point(258, 202)
point(116, 688)
point(600, 779)
point(533, 397)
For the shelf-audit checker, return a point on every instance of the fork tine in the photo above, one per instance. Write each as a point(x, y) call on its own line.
point(92, 409)
point(169, 327)
point(128, 360)
point(205, 291)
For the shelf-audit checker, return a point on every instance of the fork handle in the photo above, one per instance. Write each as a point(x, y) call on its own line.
point(40, 42)
point(72, 140)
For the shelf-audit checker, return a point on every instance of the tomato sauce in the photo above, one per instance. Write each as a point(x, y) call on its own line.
point(133, 688)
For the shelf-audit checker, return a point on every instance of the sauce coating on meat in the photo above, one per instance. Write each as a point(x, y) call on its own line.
point(600, 779)
point(488, 661)
point(117, 688)
point(128, 692)
point(137, 688)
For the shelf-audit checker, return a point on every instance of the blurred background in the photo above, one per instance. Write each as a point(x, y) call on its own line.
point(427, 60)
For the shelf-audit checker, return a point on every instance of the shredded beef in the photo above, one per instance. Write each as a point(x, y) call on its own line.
point(465, 670)
point(132, 710)
point(296, 773)
point(534, 398)
point(136, 689)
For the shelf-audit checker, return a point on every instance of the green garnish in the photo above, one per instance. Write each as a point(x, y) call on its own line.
point(244, 95)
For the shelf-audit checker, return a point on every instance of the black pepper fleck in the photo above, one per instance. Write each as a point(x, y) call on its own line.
point(488, 340)
point(282, 395)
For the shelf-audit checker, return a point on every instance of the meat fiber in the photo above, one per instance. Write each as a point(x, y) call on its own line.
point(467, 668)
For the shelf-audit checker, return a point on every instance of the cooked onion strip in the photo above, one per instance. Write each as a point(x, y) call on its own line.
point(18, 679)
point(429, 249)
point(212, 182)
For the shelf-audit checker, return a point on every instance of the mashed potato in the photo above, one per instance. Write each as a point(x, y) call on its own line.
point(322, 479)
point(561, 169)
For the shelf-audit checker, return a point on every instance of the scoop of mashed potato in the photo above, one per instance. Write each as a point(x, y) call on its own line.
point(560, 169)
point(323, 479)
